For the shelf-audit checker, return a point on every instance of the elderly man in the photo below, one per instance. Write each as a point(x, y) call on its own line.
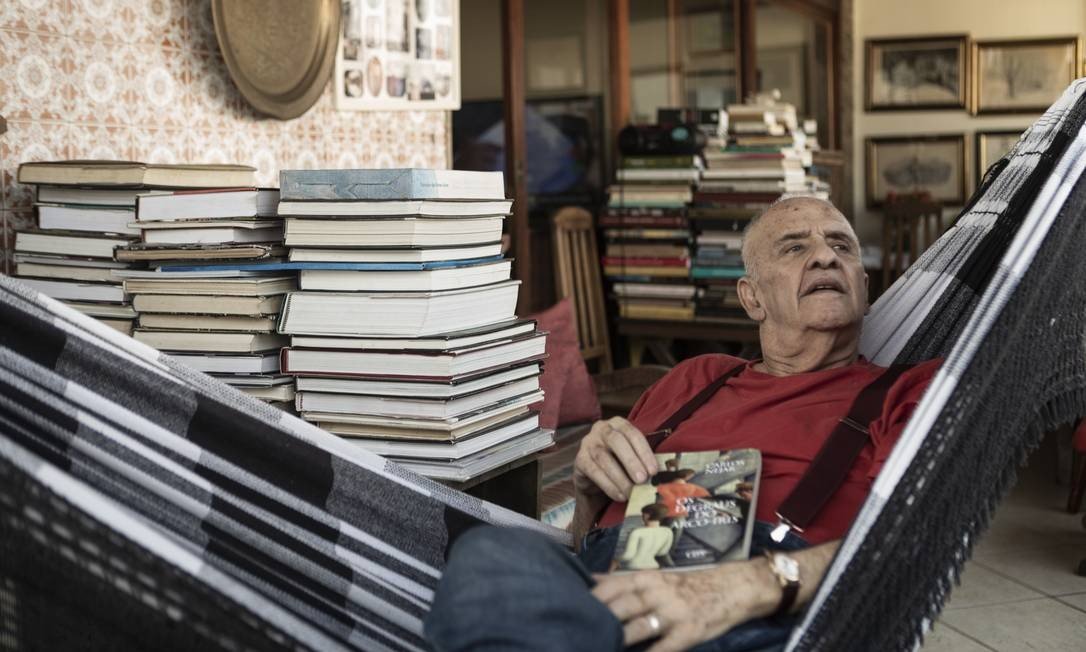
point(806, 287)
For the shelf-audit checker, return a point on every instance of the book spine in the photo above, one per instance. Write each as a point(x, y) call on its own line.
point(389, 185)
point(644, 261)
point(657, 162)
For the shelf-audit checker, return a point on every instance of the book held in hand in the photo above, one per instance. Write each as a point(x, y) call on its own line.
point(695, 511)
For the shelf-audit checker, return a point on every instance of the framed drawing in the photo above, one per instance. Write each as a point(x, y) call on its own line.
point(709, 28)
point(990, 146)
point(1024, 76)
point(920, 73)
point(398, 54)
point(916, 164)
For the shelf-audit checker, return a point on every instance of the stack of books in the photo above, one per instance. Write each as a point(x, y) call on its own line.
point(198, 302)
point(86, 211)
point(403, 337)
point(763, 157)
point(646, 236)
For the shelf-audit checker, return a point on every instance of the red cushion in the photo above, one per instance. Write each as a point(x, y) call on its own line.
point(570, 396)
point(1078, 441)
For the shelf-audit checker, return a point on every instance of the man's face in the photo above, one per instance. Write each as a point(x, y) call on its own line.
point(807, 272)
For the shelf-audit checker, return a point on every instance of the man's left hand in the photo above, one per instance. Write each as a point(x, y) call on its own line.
point(682, 609)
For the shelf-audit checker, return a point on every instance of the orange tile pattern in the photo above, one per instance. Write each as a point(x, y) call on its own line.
point(144, 80)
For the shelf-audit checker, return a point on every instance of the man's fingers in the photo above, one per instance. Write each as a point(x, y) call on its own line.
point(673, 641)
point(623, 449)
point(638, 443)
point(627, 606)
point(642, 628)
point(609, 587)
point(605, 460)
point(600, 478)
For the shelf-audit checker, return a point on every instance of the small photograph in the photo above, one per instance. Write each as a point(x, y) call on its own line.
point(422, 10)
point(374, 4)
point(916, 73)
point(420, 83)
point(921, 165)
point(396, 79)
point(374, 76)
point(424, 43)
point(396, 33)
point(442, 42)
point(351, 19)
point(352, 83)
point(352, 49)
point(373, 32)
point(442, 8)
point(443, 85)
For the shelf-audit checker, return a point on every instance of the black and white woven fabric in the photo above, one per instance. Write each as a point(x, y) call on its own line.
point(147, 506)
point(1002, 296)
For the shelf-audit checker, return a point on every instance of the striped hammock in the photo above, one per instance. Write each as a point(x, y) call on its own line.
point(146, 506)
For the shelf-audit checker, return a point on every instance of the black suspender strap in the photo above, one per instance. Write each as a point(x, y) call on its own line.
point(834, 460)
point(657, 437)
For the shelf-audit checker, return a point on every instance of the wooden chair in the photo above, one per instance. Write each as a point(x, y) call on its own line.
point(577, 275)
point(909, 226)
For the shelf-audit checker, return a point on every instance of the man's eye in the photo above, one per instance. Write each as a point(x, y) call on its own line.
point(793, 249)
point(842, 247)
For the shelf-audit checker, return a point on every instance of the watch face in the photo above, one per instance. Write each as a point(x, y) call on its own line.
point(787, 567)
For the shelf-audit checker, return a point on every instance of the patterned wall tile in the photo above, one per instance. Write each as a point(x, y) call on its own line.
point(100, 78)
point(46, 16)
point(29, 141)
point(199, 26)
point(213, 99)
point(157, 80)
point(107, 21)
point(37, 84)
point(157, 145)
point(112, 142)
point(158, 23)
point(6, 244)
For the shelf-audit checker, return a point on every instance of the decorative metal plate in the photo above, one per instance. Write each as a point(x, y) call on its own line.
point(280, 53)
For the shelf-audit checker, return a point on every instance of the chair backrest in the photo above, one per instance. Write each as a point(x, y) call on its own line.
point(577, 275)
point(910, 225)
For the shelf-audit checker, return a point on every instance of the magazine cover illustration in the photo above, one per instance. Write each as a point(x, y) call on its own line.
point(694, 512)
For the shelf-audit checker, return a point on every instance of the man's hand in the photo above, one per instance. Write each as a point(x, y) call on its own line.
point(686, 608)
point(613, 457)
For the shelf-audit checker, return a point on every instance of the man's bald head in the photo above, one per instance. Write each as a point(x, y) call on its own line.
point(789, 206)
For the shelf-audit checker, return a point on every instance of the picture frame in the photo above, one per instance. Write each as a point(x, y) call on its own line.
point(1023, 75)
point(919, 73)
point(708, 30)
point(398, 55)
point(990, 146)
point(915, 164)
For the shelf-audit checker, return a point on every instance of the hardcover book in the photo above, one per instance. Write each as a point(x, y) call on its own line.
point(394, 184)
point(696, 511)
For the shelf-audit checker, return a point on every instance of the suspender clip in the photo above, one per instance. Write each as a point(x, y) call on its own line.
point(782, 529)
point(852, 423)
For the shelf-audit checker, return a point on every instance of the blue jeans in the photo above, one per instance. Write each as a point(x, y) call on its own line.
point(513, 589)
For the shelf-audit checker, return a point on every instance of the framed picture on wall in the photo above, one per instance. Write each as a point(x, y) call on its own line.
point(990, 146)
point(708, 29)
point(920, 73)
point(899, 165)
point(1023, 76)
point(398, 54)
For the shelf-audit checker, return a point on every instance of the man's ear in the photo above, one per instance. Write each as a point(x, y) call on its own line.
point(748, 296)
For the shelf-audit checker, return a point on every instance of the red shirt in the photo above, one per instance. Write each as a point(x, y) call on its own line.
point(787, 418)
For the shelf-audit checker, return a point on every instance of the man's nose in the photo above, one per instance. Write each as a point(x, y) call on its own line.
point(823, 255)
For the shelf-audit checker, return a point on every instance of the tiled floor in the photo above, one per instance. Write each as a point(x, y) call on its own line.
point(1020, 591)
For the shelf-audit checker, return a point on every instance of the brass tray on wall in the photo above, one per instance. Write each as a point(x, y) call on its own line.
point(280, 53)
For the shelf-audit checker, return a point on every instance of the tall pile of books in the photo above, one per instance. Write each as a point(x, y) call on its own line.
point(763, 156)
point(646, 236)
point(403, 337)
point(213, 295)
point(86, 210)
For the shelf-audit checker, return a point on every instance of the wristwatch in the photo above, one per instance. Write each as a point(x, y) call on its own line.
point(787, 571)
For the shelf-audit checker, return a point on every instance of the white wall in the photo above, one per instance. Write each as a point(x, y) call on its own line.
point(981, 19)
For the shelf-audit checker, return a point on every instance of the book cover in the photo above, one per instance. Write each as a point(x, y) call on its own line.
point(693, 513)
point(405, 183)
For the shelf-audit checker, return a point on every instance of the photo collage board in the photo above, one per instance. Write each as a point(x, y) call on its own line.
point(399, 54)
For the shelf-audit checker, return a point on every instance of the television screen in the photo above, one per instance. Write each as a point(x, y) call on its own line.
point(563, 138)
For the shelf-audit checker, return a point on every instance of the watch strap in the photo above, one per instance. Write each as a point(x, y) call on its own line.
point(789, 586)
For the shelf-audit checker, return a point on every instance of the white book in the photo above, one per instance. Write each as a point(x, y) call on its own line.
point(94, 219)
point(448, 278)
point(441, 342)
point(88, 196)
point(397, 208)
point(120, 325)
point(364, 425)
point(417, 389)
point(65, 272)
point(207, 204)
point(658, 174)
point(231, 323)
point(409, 232)
point(415, 408)
point(210, 342)
point(258, 363)
point(654, 290)
point(249, 286)
point(76, 291)
point(450, 450)
point(68, 261)
point(208, 305)
point(273, 393)
point(106, 310)
point(239, 232)
point(390, 184)
point(255, 380)
point(401, 255)
point(68, 245)
point(427, 364)
point(400, 314)
point(486, 460)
